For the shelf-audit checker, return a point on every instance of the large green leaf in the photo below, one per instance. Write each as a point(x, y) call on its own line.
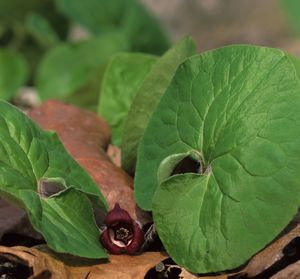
point(121, 81)
point(148, 96)
point(30, 160)
point(129, 16)
point(71, 66)
point(69, 213)
point(296, 61)
point(234, 110)
point(13, 73)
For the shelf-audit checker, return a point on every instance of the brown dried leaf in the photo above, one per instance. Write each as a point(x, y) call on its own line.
point(114, 154)
point(291, 272)
point(208, 277)
point(127, 267)
point(44, 261)
point(187, 275)
point(86, 136)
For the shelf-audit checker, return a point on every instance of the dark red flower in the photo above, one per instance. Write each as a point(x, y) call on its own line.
point(122, 234)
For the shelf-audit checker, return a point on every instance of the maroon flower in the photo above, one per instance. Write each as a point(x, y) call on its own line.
point(122, 234)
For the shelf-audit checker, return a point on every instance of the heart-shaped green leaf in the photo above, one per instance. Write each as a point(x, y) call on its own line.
point(235, 112)
point(13, 73)
point(121, 80)
point(149, 93)
point(296, 62)
point(38, 173)
point(71, 66)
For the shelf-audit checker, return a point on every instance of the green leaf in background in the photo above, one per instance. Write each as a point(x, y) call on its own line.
point(41, 30)
point(67, 68)
point(122, 78)
point(148, 96)
point(16, 10)
point(30, 160)
point(87, 96)
point(234, 110)
point(292, 8)
point(127, 16)
point(13, 73)
point(29, 27)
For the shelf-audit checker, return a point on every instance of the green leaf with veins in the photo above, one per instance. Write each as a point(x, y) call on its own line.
point(71, 66)
point(122, 78)
point(235, 110)
point(13, 73)
point(296, 61)
point(30, 160)
point(147, 97)
point(128, 16)
point(69, 213)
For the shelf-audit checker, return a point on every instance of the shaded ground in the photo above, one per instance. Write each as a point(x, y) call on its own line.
point(215, 23)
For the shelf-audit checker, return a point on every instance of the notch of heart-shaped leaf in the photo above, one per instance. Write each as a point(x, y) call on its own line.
point(239, 108)
point(189, 162)
point(48, 187)
point(60, 197)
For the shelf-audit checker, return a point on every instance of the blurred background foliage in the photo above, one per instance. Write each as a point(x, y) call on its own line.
point(61, 48)
point(40, 45)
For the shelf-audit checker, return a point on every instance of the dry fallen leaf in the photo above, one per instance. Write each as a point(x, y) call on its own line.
point(86, 136)
point(291, 272)
point(127, 267)
point(83, 133)
point(187, 275)
point(114, 154)
point(44, 261)
point(208, 277)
